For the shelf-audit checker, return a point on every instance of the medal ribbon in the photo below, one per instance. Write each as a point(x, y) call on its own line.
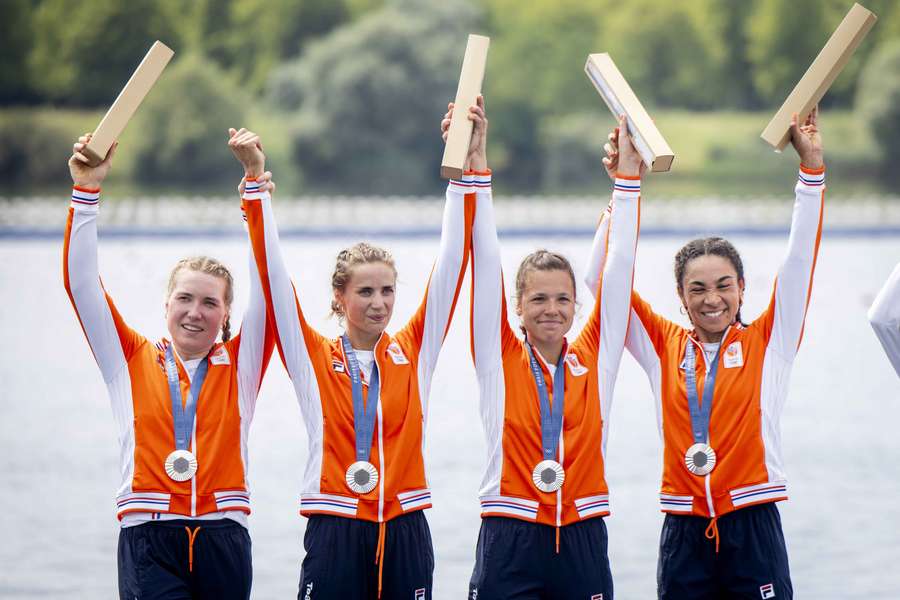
point(699, 414)
point(551, 417)
point(363, 412)
point(183, 416)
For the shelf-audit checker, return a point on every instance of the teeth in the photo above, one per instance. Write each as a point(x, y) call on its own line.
point(713, 315)
point(192, 328)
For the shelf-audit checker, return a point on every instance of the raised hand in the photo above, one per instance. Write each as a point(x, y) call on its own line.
point(264, 181)
point(476, 158)
point(83, 174)
point(621, 156)
point(807, 140)
point(247, 148)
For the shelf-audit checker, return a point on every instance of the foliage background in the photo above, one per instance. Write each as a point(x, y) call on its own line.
point(348, 93)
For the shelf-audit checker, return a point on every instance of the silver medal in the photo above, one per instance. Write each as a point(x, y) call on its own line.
point(548, 476)
point(700, 459)
point(181, 465)
point(362, 477)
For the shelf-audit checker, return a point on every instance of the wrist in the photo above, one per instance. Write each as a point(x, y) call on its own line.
point(252, 172)
point(812, 161)
point(89, 185)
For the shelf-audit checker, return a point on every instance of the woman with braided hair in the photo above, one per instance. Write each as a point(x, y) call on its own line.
point(720, 387)
point(183, 407)
point(364, 397)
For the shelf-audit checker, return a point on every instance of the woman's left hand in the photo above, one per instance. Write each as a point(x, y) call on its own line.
point(264, 181)
point(476, 158)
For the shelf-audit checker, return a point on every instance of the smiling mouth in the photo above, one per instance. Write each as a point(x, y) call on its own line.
point(713, 315)
point(191, 328)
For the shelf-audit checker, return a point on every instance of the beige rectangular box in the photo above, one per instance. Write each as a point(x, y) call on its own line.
point(460, 132)
point(620, 98)
point(820, 75)
point(131, 96)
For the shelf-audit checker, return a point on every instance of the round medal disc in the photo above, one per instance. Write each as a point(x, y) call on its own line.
point(700, 459)
point(181, 465)
point(548, 476)
point(362, 477)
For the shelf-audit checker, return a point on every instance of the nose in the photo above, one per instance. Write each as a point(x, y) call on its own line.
point(712, 298)
point(193, 311)
point(377, 301)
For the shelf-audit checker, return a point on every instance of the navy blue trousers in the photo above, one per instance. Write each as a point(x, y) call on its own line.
point(752, 561)
point(340, 559)
point(155, 561)
point(517, 560)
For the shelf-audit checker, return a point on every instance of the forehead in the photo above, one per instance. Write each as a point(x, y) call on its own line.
point(376, 274)
point(199, 283)
point(552, 282)
point(708, 268)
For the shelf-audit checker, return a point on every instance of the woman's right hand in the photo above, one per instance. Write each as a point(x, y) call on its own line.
point(83, 174)
point(247, 148)
point(621, 155)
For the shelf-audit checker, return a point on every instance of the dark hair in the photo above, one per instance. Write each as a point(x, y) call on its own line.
point(702, 247)
point(541, 260)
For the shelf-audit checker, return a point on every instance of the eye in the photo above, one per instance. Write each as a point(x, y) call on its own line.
point(697, 290)
point(387, 290)
point(365, 292)
point(724, 286)
point(211, 303)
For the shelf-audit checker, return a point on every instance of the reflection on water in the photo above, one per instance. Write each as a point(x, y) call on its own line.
point(60, 464)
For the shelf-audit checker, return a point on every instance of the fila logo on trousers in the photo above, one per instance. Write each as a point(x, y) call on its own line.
point(767, 591)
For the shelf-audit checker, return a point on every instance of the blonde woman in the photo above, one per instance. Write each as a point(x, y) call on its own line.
point(182, 406)
point(364, 398)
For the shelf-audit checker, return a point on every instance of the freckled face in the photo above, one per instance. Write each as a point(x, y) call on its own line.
point(195, 312)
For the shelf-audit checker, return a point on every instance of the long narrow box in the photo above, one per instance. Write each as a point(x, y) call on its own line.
point(820, 75)
point(130, 98)
point(620, 98)
point(460, 132)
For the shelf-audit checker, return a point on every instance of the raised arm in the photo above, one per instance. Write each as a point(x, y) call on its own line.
point(110, 339)
point(296, 340)
point(885, 317)
point(784, 319)
point(605, 331)
point(426, 330)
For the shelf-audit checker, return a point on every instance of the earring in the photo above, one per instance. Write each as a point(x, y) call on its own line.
point(682, 310)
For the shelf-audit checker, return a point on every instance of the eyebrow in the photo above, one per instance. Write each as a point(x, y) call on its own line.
point(719, 280)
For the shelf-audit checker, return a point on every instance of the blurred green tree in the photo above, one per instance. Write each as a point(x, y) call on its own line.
point(250, 37)
point(184, 125)
point(878, 105)
point(17, 35)
point(84, 52)
point(368, 98)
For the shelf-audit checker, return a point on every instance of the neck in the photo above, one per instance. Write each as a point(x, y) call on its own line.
point(361, 340)
point(549, 350)
point(184, 355)
point(709, 337)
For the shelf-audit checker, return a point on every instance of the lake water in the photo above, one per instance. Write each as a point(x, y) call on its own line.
point(59, 449)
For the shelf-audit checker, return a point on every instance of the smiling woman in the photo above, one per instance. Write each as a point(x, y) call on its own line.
point(545, 407)
point(720, 389)
point(183, 408)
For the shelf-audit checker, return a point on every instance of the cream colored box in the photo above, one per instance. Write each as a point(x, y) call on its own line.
point(130, 98)
point(460, 132)
point(620, 98)
point(820, 75)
